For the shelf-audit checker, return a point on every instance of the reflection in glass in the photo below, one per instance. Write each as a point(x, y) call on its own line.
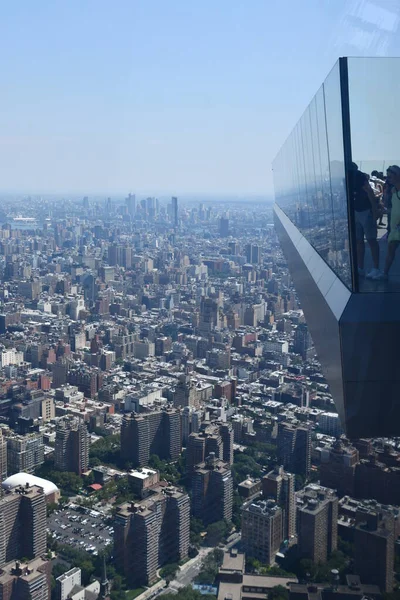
point(309, 178)
point(333, 111)
point(375, 135)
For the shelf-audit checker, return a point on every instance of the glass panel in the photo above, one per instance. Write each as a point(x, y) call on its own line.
point(309, 178)
point(374, 92)
point(340, 255)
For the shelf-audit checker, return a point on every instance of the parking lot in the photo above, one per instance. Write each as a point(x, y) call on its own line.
point(81, 528)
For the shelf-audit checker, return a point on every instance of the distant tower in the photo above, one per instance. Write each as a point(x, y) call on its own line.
point(302, 343)
point(130, 203)
point(224, 227)
point(175, 211)
point(104, 583)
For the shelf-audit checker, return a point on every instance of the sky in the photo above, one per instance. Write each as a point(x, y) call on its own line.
point(167, 96)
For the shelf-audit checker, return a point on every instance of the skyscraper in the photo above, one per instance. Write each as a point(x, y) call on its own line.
point(302, 343)
point(226, 432)
point(224, 227)
point(26, 580)
point(208, 315)
point(216, 438)
point(150, 533)
point(262, 528)
point(158, 432)
point(338, 467)
point(280, 486)
point(374, 548)
point(3, 457)
point(252, 254)
point(130, 202)
point(72, 445)
point(294, 448)
point(175, 220)
point(212, 490)
point(317, 522)
point(24, 452)
point(22, 524)
point(190, 420)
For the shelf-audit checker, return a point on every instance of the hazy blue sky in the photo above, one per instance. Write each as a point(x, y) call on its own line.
point(167, 95)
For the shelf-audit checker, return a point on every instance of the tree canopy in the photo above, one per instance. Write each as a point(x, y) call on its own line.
point(278, 593)
point(187, 593)
point(106, 451)
point(69, 483)
point(217, 532)
point(211, 565)
point(169, 571)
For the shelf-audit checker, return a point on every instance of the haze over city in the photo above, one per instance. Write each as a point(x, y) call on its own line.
point(166, 97)
point(199, 292)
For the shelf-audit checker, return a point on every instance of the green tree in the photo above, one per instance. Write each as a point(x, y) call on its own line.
point(196, 528)
point(51, 507)
point(168, 470)
point(217, 532)
point(278, 592)
point(245, 465)
point(69, 483)
point(59, 569)
point(106, 450)
point(210, 568)
point(237, 510)
point(218, 556)
point(169, 571)
point(252, 564)
point(187, 593)
point(87, 568)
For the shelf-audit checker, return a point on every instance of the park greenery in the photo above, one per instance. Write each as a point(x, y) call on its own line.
point(174, 473)
point(196, 529)
point(253, 462)
point(279, 592)
point(68, 483)
point(187, 593)
point(106, 451)
point(169, 571)
point(217, 532)
point(253, 565)
point(91, 566)
point(306, 570)
point(212, 535)
point(211, 565)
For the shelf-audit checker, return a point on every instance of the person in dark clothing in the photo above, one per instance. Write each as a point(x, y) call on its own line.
point(366, 215)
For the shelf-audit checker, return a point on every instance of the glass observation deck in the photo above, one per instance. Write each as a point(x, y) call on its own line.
point(333, 213)
point(353, 118)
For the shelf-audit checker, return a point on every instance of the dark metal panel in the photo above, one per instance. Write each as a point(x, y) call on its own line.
point(322, 322)
point(370, 339)
point(371, 410)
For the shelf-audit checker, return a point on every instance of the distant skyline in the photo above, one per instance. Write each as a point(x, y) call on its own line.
point(169, 97)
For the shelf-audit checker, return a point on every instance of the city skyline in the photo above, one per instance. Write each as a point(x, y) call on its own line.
point(198, 372)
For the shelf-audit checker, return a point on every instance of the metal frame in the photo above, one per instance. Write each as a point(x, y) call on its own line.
point(348, 159)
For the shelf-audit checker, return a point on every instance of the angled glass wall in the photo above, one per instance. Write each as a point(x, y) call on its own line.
point(312, 176)
point(374, 88)
point(309, 176)
point(337, 189)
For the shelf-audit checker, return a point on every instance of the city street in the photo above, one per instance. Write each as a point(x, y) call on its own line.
point(191, 569)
